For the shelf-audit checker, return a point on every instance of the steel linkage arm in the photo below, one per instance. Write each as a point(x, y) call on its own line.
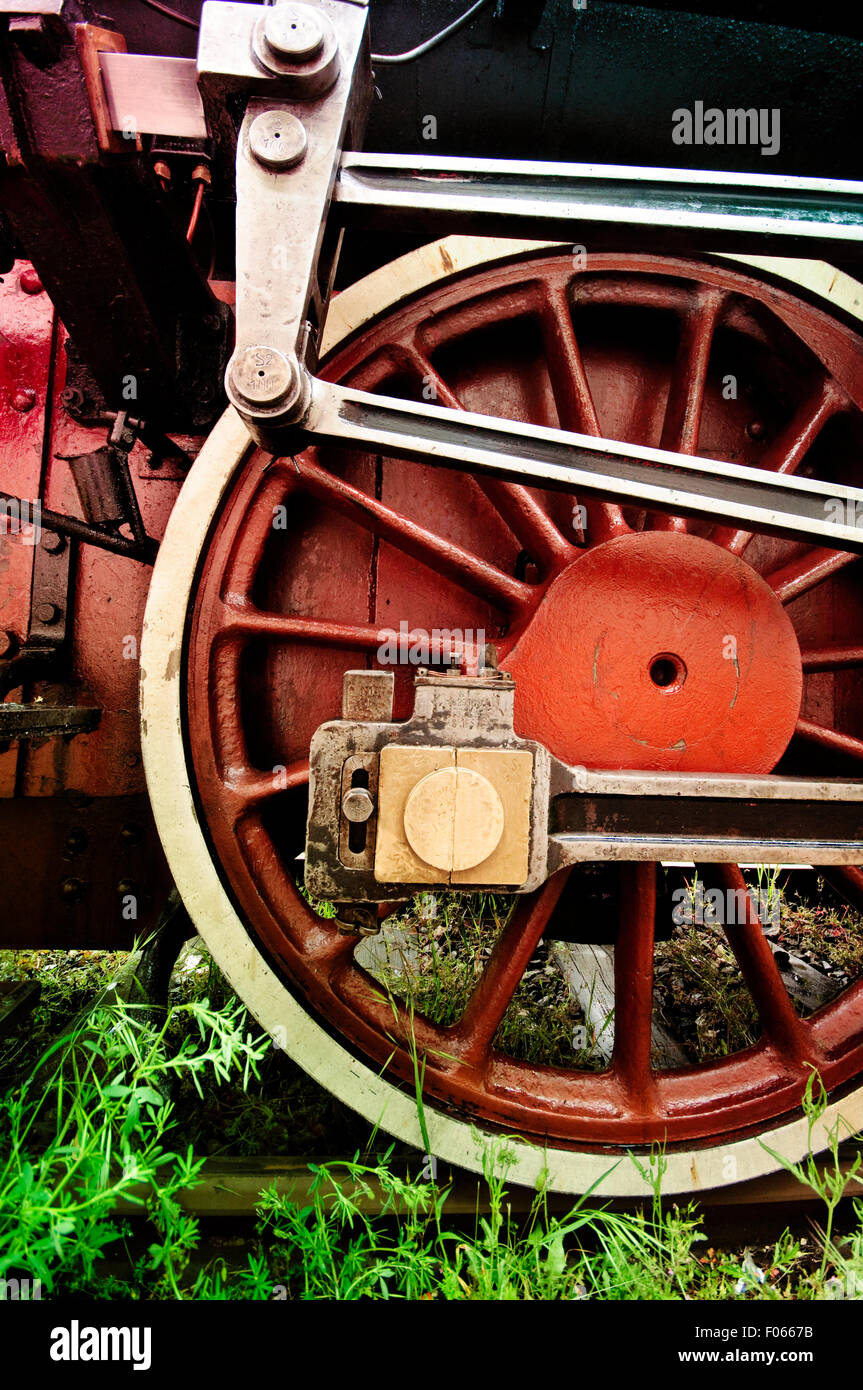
point(803, 508)
point(302, 77)
point(674, 210)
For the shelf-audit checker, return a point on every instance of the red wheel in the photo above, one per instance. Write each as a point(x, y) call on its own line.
point(636, 641)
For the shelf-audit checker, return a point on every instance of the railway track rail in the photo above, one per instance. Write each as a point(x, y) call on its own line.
point(232, 1187)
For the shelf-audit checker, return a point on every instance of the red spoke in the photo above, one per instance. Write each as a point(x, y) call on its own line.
point(830, 739)
point(789, 448)
point(575, 406)
point(521, 511)
point(468, 571)
point(780, 1025)
point(246, 788)
point(475, 1030)
point(242, 787)
point(243, 620)
point(833, 657)
point(633, 985)
point(265, 494)
point(682, 423)
point(804, 573)
point(847, 880)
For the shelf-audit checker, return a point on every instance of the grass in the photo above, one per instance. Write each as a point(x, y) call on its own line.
point(112, 1128)
point(277, 1110)
point(829, 931)
point(96, 1092)
point(698, 984)
point(93, 1122)
point(447, 943)
point(702, 992)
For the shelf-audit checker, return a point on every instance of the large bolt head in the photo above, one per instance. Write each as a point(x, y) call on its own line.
point(277, 139)
point(299, 43)
point(262, 376)
point(294, 31)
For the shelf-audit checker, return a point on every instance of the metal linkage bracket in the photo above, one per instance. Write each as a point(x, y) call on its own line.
point(360, 772)
point(636, 475)
point(524, 813)
point(303, 76)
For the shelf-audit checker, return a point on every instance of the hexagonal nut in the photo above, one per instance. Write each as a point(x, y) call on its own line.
point(357, 805)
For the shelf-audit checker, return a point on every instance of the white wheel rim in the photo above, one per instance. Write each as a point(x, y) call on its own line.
point(266, 995)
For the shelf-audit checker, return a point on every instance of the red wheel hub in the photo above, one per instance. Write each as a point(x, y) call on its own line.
point(661, 651)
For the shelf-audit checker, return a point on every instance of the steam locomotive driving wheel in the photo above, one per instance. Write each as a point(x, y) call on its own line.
point(637, 640)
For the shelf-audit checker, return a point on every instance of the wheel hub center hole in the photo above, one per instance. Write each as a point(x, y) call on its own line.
point(667, 671)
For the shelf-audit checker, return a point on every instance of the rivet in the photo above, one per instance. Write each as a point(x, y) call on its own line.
point(24, 400)
point(76, 841)
point(30, 282)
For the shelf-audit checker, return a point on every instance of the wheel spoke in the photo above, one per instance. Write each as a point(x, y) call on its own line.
point(468, 571)
point(834, 657)
point(803, 574)
point(247, 788)
point(780, 1025)
point(242, 787)
point(521, 511)
point(790, 448)
point(575, 405)
point(847, 881)
point(682, 423)
point(268, 492)
point(830, 739)
point(475, 1030)
point(243, 620)
point(633, 984)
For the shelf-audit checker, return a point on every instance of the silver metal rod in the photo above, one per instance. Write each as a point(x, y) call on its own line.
point(712, 817)
point(598, 202)
point(730, 493)
point(579, 849)
point(711, 786)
